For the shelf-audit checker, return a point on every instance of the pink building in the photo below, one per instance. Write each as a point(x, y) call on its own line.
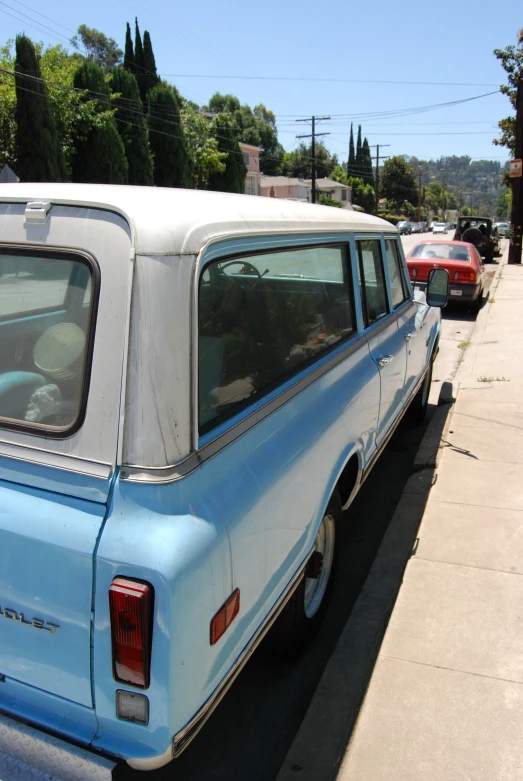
point(289, 187)
point(251, 158)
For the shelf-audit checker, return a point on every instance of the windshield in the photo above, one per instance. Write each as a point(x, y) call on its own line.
point(440, 251)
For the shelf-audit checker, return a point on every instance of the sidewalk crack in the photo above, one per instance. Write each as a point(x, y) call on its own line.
point(451, 669)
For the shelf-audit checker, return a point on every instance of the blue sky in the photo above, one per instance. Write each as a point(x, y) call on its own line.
point(338, 45)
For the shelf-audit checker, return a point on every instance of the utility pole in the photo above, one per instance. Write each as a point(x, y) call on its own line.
point(419, 193)
point(514, 252)
point(378, 170)
point(313, 135)
point(444, 198)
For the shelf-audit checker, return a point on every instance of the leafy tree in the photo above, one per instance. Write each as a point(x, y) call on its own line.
point(202, 145)
point(172, 166)
point(7, 108)
point(504, 207)
point(128, 60)
point(352, 155)
point(232, 180)
point(339, 174)
point(511, 60)
point(362, 194)
point(324, 201)
point(299, 161)
point(150, 77)
point(38, 150)
point(132, 127)
point(100, 154)
point(254, 126)
point(398, 181)
point(100, 49)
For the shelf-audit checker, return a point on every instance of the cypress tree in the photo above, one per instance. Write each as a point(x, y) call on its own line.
point(39, 152)
point(359, 154)
point(352, 156)
point(132, 127)
point(100, 155)
point(172, 167)
point(128, 59)
point(232, 180)
point(139, 65)
point(368, 173)
point(150, 77)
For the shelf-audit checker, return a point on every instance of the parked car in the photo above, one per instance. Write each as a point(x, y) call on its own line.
point(404, 227)
point(439, 227)
point(469, 281)
point(503, 228)
point(193, 387)
point(480, 232)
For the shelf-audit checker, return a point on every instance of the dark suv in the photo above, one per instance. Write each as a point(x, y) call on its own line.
point(479, 232)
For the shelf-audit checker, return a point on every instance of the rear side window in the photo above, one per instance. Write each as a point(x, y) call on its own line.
point(264, 317)
point(398, 286)
point(46, 314)
point(372, 280)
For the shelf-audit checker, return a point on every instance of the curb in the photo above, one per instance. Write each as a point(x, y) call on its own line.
point(324, 735)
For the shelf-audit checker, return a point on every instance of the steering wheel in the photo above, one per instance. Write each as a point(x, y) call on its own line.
point(244, 263)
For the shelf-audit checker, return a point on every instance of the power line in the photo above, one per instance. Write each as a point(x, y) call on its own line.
point(34, 24)
point(328, 79)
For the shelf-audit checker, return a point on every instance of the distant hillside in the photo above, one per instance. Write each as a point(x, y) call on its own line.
point(474, 183)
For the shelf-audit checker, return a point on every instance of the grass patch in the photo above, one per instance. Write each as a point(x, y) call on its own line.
point(463, 345)
point(493, 379)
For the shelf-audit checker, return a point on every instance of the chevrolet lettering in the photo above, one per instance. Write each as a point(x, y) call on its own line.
point(193, 388)
point(37, 623)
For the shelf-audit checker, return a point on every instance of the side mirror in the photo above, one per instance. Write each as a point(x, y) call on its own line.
point(438, 287)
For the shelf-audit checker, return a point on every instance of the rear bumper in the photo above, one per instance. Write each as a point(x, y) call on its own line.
point(465, 293)
point(26, 753)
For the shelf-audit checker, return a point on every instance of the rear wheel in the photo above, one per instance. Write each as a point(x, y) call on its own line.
point(301, 618)
point(418, 406)
point(477, 304)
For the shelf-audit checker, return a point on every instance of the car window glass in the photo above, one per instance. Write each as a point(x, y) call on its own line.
point(372, 282)
point(44, 323)
point(262, 318)
point(440, 251)
point(398, 286)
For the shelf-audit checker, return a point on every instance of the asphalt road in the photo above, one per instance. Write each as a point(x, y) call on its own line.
point(250, 733)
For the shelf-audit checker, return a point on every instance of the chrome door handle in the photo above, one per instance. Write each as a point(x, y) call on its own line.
point(410, 336)
point(387, 359)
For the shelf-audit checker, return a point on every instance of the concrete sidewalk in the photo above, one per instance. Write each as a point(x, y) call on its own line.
point(445, 701)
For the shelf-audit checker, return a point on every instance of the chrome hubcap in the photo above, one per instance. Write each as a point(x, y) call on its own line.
point(315, 588)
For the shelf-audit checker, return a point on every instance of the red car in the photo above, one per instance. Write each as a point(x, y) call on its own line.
point(468, 279)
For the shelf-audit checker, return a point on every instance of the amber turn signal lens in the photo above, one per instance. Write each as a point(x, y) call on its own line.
point(225, 616)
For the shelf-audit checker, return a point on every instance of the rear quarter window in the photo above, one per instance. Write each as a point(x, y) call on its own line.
point(262, 318)
point(47, 303)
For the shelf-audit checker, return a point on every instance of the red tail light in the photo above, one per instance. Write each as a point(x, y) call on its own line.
point(131, 607)
point(466, 276)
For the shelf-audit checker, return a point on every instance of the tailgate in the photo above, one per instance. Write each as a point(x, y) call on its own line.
point(47, 543)
point(64, 296)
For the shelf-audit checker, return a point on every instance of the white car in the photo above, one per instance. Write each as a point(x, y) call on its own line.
point(439, 227)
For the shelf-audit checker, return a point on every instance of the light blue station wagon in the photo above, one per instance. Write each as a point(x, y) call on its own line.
point(193, 386)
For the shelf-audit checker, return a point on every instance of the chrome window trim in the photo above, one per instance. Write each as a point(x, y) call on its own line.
point(346, 264)
point(73, 464)
point(167, 474)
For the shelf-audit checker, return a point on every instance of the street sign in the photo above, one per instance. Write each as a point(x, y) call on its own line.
point(515, 168)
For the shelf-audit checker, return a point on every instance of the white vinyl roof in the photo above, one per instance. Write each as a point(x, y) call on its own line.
point(168, 221)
